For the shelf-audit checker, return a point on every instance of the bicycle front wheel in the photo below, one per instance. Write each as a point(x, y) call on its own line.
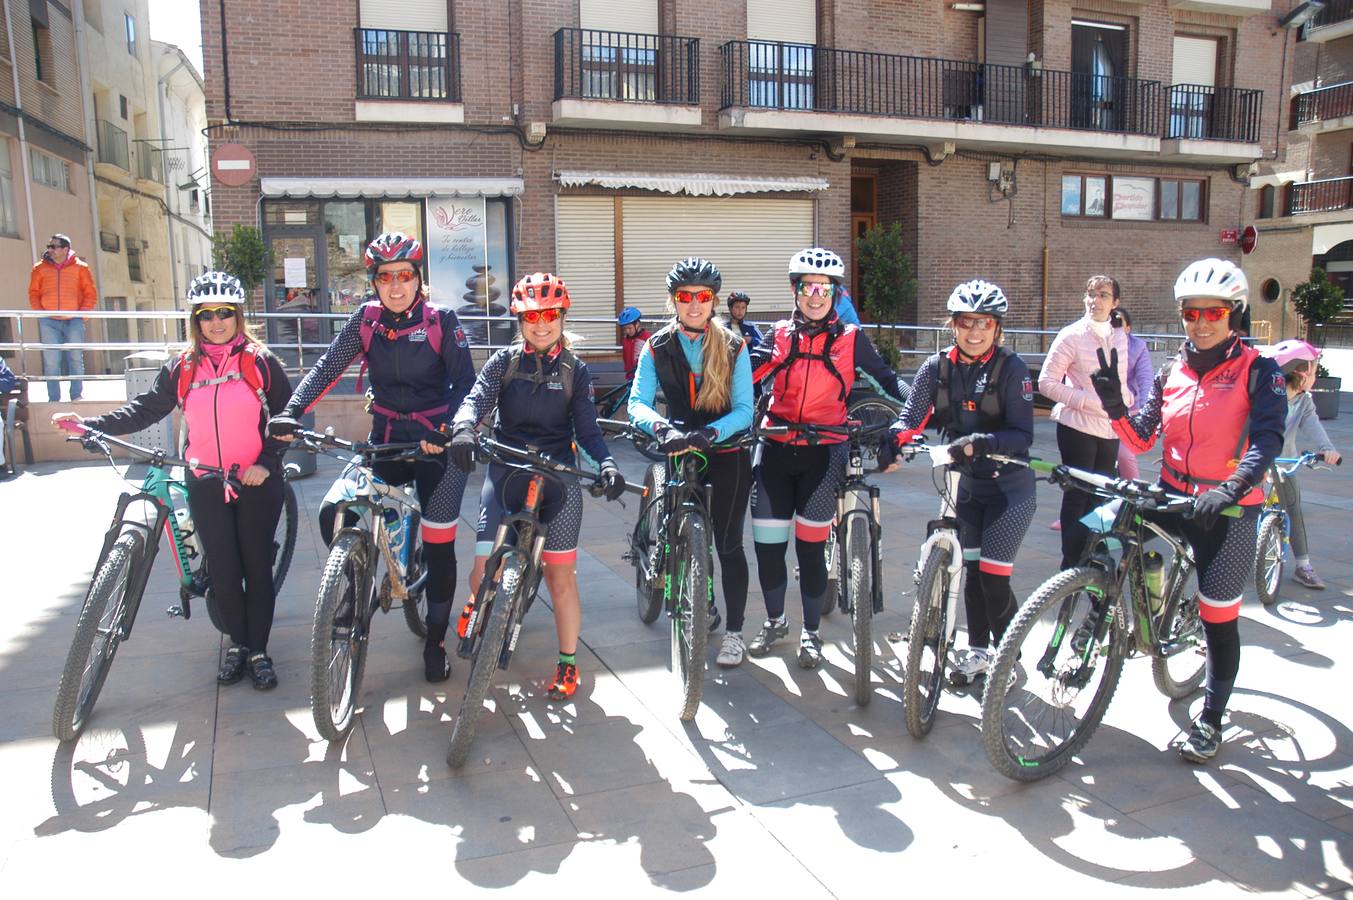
point(1268, 558)
point(856, 550)
point(502, 600)
point(832, 553)
point(1071, 638)
point(927, 643)
point(690, 613)
point(645, 548)
point(1181, 672)
point(98, 632)
point(338, 640)
point(873, 410)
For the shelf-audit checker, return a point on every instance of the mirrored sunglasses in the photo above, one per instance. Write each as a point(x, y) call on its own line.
point(975, 323)
point(811, 288)
point(532, 316)
point(404, 276)
point(1211, 314)
point(215, 312)
point(702, 296)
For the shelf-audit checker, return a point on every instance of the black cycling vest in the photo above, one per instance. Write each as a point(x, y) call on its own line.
point(956, 412)
point(678, 381)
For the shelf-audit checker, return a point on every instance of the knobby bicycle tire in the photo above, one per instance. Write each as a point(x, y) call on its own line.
point(415, 605)
point(338, 640)
point(832, 553)
point(98, 632)
point(1036, 756)
point(1268, 558)
point(690, 614)
point(488, 650)
point(647, 534)
point(1183, 623)
point(873, 410)
point(923, 680)
point(857, 559)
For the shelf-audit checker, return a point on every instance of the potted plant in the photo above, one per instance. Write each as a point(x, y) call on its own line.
point(888, 285)
point(1317, 302)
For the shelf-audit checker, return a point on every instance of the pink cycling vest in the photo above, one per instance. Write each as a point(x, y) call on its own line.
point(223, 419)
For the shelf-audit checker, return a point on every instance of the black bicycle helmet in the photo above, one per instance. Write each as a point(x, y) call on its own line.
point(694, 270)
point(738, 297)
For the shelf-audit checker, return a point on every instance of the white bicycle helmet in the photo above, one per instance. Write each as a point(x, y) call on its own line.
point(978, 296)
point(215, 287)
point(1292, 350)
point(817, 261)
point(1214, 277)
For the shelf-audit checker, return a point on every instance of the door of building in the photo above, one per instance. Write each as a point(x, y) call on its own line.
point(1098, 85)
point(295, 287)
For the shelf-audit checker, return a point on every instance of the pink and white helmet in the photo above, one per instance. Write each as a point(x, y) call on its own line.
point(1290, 351)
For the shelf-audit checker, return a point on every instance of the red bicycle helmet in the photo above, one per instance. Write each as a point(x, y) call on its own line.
point(539, 290)
point(393, 246)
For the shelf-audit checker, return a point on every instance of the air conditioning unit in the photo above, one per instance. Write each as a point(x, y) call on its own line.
point(535, 132)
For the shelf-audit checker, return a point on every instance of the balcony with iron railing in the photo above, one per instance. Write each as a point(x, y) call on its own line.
point(1331, 23)
point(148, 167)
point(1324, 108)
point(1209, 123)
point(112, 145)
point(624, 79)
point(787, 87)
point(408, 75)
point(1323, 196)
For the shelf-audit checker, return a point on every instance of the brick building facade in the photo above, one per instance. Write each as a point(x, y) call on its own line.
point(1033, 142)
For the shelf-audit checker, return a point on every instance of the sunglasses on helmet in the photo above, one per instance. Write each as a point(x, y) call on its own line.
point(532, 316)
point(704, 295)
point(215, 312)
point(403, 276)
point(1212, 313)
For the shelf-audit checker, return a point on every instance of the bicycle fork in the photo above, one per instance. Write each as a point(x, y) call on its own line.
point(955, 569)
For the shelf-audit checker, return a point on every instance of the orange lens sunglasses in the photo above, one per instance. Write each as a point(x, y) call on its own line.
point(532, 316)
point(1211, 314)
point(705, 296)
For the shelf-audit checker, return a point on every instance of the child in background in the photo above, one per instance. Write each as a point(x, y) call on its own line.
point(1303, 431)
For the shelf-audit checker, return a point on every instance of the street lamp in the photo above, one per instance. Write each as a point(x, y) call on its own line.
point(1301, 14)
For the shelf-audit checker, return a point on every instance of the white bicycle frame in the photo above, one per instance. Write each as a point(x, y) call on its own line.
point(361, 483)
point(939, 456)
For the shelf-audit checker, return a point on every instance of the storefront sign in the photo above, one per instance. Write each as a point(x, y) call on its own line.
point(458, 264)
point(1134, 198)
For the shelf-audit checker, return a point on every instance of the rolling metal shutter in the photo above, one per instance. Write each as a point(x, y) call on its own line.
point(750, 239)
point(406, 15)
point(791, 21)
point(636, 16)
point(1195, 60)
point(584, 251)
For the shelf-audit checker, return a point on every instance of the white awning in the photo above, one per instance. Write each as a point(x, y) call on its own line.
point(1325, 238)
point(392, 187)
point(693, 185)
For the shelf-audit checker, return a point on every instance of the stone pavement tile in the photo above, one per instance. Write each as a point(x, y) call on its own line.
point(1289, 630)
point(266, 739)
point(492, 813)
point(950, 757)
point(1274, 763)
point(26, 713)
point(250, 809)
point(604, 756)
point(137, 690)
point(735, 701)
point(1262, 844)
point(1344, 823)
point(409, 746)
point(767, 764)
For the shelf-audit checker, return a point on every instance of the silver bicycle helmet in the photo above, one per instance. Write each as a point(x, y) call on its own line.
point(978, 296)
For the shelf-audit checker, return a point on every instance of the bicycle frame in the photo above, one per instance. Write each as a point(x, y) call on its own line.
point(369, 505)
point(944, 530)
point(850, 504)
point(688, 495)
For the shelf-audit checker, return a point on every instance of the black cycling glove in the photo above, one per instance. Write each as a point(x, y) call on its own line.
point(1208, 506)
point(464, 442)
point(1108, 386)
point(612, 479)
point(887, 449)
point(981, 445)
point(282, 426)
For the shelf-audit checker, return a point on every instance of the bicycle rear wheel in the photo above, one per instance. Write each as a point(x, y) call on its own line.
point(927, 643)
point(832, 552)
point(98, 632)
point(690, 614)
point(415, 605)
point(1181, 673)
point(284, 539)
point(1268, 558)
point(872, 409)
point(502, 599)
point(856, 558)
point(338, 640)
point(645, 549)
point(1073, 649)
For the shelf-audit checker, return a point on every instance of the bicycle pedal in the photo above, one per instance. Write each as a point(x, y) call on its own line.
point(176, 612)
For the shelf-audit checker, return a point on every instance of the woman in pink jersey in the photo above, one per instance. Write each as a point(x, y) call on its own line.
point(226, 382)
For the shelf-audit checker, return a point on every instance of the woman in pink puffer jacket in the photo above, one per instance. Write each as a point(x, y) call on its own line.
point(1085, 436)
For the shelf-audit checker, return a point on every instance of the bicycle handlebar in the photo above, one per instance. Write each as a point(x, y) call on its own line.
point(94, 440)
point(318, 442)
point(1311, 459)
point(522, 458)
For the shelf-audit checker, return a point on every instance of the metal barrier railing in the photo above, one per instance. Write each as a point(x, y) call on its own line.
point(167, 334)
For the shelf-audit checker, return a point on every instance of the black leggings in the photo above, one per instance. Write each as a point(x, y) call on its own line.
point(730, 479)
point(237, 541)
point(1095, 454)
point(990, 604)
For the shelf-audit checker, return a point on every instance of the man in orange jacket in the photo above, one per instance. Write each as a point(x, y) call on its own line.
point(62, 282)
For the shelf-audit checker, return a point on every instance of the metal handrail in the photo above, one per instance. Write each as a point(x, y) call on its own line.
point(1207, 112)
point(407, 65)
point(1329, 102)
point(627, 66)
point(921, 340)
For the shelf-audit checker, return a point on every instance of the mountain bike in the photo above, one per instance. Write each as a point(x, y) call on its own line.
point(511, 581)
point(1270, 552)
point(671, 549)
point(1075, 631)
point(609, 403)
point(856, 536)
point(379, 524)
point(934, 620)
point(125, 562)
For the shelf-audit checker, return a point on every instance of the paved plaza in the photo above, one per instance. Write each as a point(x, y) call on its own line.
point(782, 786)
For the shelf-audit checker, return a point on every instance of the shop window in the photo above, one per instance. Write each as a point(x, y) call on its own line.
point(1133, 198)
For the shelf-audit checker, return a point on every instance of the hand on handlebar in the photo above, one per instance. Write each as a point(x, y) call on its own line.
point(671, 440)
point(461, 449)
point(887, 452)
point(612, 481)
point(1208, 506)
point(970, 447)
point(283, 428)
point(69, 421)
point(1331, 457)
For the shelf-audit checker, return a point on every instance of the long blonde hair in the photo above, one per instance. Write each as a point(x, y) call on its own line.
point(716, 363)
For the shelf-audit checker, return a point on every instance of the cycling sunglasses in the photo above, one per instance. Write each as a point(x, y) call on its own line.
point(1211, 314)
point(809, 288)
point(215, 312)
point(702, 296)
point(403, 276)
point(975, 323)
point(532, 316)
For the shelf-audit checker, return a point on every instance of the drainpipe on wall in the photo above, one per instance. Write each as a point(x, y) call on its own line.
point(87, 103)
point(170, 190)
point(23, 146)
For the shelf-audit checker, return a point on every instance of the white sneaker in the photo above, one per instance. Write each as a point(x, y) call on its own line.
point(972, 664)
point(732, 650)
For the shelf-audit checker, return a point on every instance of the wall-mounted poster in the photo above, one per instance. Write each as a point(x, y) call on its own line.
point(459, 270)
point(1134, 198)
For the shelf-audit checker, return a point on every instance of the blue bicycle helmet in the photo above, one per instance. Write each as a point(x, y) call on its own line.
point(628, 316)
